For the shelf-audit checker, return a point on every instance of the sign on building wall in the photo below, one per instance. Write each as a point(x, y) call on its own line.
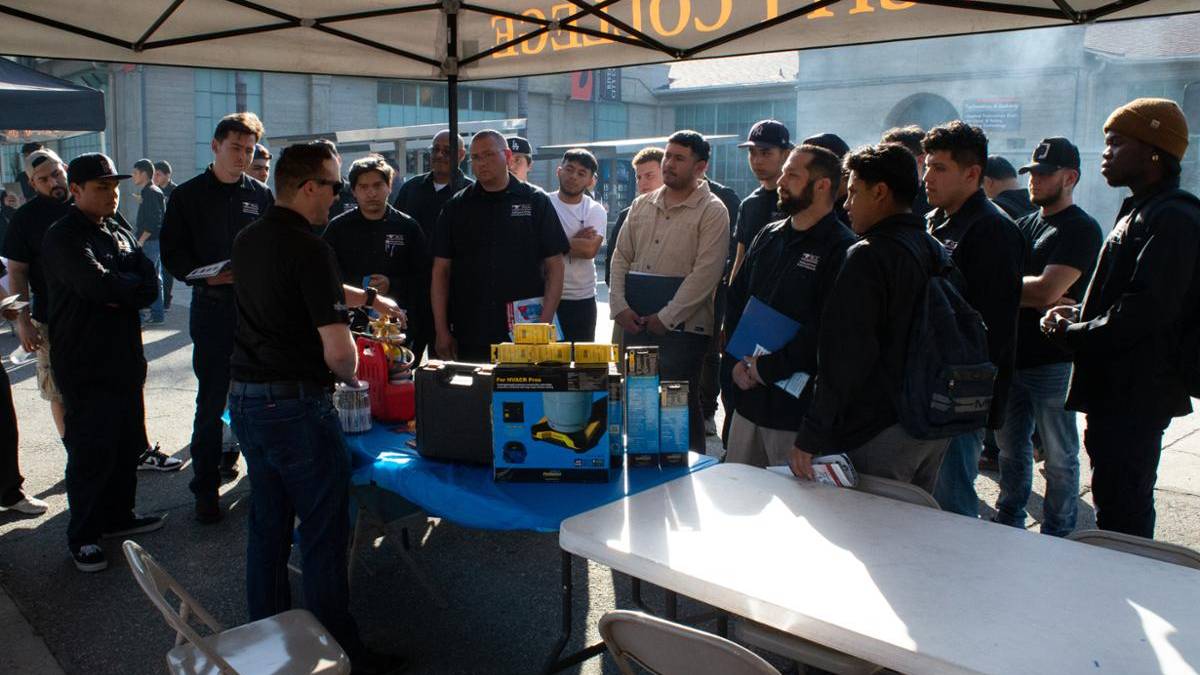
point(608, 82)
point(581, 85)
point(993, 114)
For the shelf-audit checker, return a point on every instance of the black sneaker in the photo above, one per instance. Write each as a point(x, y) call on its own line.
point(371, 662)
point(208, 510)
point(154, 459)
point(229, 465)
point(89, 558)
point(137, 525)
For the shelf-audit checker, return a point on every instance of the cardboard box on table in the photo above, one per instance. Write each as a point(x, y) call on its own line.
point(550, 423)
point(641, 407)
point(673, 438)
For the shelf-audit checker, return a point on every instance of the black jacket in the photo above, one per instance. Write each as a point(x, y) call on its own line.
point(732, 204)
point(863, 343)
point(1146, 286)
point(1015, 203)
point(150, 212)
point(611, 243)
point(203, 216)
point(791, 272)
point(98, 279)
point(988, 249)
point(394, 247)
point(419, 199)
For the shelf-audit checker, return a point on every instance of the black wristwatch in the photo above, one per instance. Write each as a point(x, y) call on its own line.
point(372, 293)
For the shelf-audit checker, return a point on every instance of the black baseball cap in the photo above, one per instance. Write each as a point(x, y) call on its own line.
point(831, 142)
point(768, 134)
point(519, 145)
point(1053, 154)
point(92, 166)
point(999, 168)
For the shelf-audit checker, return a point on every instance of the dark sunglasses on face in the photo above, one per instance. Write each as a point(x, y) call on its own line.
point(337, 185)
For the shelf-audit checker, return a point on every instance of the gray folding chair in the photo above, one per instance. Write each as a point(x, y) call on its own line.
point(666, 648)
point(1147, 548)
point(810, 653)
point(290, 643)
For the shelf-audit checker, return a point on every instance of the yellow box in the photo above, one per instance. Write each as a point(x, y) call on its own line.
point(559, 352)
point(508, 352)
point(534, 333)
point(595, 352)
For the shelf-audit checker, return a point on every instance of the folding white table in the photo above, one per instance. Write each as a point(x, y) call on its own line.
point(910, 588)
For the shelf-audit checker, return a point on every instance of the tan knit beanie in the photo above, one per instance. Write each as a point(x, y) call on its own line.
point(1154, 121)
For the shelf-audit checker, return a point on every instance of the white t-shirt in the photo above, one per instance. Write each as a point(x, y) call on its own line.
point(580, 280)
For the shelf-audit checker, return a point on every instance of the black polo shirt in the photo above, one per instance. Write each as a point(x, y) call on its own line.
point(98, 279)
point(496, 242)
point(419, 198)
point(792, 272)
point(23, 243)
point(988, 249)
point(393, 246)
point(150, 212)
point(756, 212)
point(287, 287)
point(1070, 237)
point(204, 215)
point(1015, 203)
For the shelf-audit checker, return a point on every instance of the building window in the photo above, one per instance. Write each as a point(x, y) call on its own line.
point(406, 103)
point(219, 93)
point(612, 121)
point(728, 164)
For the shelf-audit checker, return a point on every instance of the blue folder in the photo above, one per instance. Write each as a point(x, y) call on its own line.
point(761, 326)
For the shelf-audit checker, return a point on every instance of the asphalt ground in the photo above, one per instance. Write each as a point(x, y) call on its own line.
point(501, 610)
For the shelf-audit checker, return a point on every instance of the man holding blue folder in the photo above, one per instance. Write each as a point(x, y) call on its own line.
point(775, 305)
point(667, 263)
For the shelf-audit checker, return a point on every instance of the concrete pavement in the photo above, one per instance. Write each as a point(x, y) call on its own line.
point(502, 588)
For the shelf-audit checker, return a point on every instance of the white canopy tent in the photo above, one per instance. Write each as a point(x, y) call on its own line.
point(482, 39)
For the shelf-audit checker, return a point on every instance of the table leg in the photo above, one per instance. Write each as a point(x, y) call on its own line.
point(671, 599)
point(556, 662)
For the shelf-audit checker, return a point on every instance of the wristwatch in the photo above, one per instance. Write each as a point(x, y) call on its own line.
point(372, 293)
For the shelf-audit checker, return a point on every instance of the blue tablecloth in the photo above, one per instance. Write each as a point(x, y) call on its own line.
point(466, 494)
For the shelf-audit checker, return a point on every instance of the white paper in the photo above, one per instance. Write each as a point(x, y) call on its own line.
point(793, 385)
point(209, 271)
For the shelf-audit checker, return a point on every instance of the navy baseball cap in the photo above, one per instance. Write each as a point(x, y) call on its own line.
point(831, 142)
point(519, 145)
point(1053, 154)
point(999, 168)
point(768, 134)
point(92, 166)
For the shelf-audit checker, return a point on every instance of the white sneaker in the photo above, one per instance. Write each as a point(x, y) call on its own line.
point(30, 506)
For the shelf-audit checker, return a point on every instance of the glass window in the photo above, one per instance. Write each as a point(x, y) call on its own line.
point(219, 93)
point(612, 120)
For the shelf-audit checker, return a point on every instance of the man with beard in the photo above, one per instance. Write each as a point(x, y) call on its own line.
point(582, 219)
point(422, 197)
point(680, 230)
point(27, 269)
point(790, 267)
point(377, 246)
point(99, 279)
point(989, 251)
point(834, 144)
point(203, 216)
point(1137, 337)
point(1063, 243)
point(862, 349)
point(1001, 186)
point(496, 242)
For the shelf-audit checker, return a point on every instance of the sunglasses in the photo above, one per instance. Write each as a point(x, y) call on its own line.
point(337, 185)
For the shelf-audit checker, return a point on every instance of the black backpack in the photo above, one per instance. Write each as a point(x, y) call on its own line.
point(948, 380)
point(1189, 337)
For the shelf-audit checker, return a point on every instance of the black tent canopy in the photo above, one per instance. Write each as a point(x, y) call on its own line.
point(36, 106)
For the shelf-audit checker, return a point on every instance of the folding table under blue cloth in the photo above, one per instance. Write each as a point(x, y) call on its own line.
point(466, 495)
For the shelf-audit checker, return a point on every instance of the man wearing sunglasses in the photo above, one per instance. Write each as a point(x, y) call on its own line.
point(203, 216)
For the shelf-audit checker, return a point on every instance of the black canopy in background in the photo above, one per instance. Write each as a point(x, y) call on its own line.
point(36, 106)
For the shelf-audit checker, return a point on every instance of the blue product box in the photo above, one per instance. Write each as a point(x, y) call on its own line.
point(673, 441)
point(616, 419)
point(550, 424)
point(641, 420)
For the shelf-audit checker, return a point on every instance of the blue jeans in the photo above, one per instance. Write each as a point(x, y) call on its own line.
point(150, 248)
point(299, 466)
point(1037, 400)
point(955, 490)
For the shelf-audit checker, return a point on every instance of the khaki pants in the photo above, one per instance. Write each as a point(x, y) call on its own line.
point(893, 453)
point(758, 446)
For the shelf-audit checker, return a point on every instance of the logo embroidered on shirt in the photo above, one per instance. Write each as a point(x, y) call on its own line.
point(250, 207)
point(123, 246)
point(809, 261)
point(950, 245)
point(392, 243)
point(521, 210)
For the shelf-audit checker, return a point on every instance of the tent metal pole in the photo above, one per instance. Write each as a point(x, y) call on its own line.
point(451, 8)
point(162, 18)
